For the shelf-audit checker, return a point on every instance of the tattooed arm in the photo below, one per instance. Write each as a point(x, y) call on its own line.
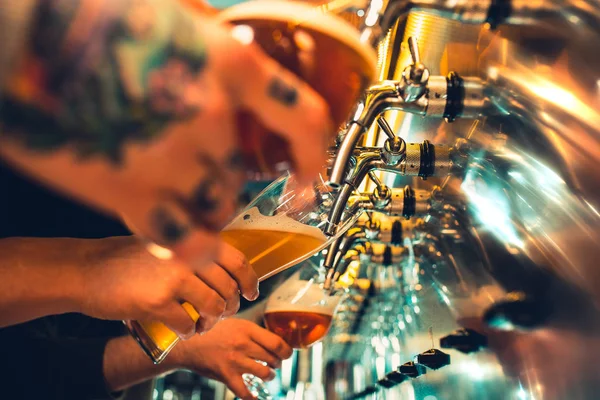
point(128, 106)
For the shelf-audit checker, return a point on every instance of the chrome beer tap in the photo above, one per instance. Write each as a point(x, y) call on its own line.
point(409, 159)
point(416, 93)
point(396, 156)
point(403, 202)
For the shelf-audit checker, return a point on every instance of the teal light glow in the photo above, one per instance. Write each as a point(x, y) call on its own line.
point(490, 207)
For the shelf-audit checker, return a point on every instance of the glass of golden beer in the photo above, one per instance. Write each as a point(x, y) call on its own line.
point(301, 312)
point(282, 227)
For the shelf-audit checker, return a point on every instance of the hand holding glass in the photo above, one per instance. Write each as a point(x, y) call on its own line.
point(283, 226)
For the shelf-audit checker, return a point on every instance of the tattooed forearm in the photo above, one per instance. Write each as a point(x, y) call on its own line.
point(98, 73)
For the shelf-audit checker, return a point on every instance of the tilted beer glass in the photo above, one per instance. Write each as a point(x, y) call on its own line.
point(283, 226)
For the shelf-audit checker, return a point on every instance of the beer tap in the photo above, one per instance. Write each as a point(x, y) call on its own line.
point(409, 159)
point(403, 202)
point(417, 93)
point(380, 229)
point(580, 17)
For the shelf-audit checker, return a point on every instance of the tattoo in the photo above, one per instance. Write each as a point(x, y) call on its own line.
point(236, 160)
point(165, 224)
point(206, 199)
point(208, 193)
point(282, 92)
point(98, 74)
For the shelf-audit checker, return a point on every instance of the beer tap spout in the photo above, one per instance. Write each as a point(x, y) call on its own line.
point(417, 93)
point(395, 202)
point(337, 251)
point(379, 98)
point(417, 159)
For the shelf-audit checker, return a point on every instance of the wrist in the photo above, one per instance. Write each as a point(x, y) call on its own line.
point(187, 353)
point(177, 358)
point(75, 274)
point(93, 260)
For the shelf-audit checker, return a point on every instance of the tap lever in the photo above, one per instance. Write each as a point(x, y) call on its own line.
point(376, 181)
point(417, 69)
point(414, 77)
point(413, 47)
point(385, 127)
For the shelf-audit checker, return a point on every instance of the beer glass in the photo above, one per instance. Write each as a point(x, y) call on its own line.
point(283, 226)
point(300, 311)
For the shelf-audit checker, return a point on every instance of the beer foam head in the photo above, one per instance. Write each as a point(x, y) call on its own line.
point(302, 296)
point(252, 219)
point(307, 16)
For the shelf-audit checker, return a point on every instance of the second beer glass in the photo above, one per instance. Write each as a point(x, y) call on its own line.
point(300, 311)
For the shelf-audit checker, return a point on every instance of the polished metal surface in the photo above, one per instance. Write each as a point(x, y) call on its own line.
point(506, 247)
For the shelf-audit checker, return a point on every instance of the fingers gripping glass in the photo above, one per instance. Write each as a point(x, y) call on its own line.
point(282, 227)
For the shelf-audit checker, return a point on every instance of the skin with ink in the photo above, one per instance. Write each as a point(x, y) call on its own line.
point(111, 101)
point(96, 89)
point(283, 92)
point(104, 79)
point(171, 231)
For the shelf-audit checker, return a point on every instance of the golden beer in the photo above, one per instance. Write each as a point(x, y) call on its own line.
point(300, 312)
point(272, 243)
point(269, 243)
point(299, 329)
point(267, 251)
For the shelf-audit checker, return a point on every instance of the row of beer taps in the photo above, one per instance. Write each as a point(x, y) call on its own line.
point(511, 219)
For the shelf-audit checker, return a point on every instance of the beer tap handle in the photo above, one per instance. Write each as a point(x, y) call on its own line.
point(415, 76)
point(418, 68)
point(386, 128)
point(413, 47)
point(376, 181)
point(417, 72)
